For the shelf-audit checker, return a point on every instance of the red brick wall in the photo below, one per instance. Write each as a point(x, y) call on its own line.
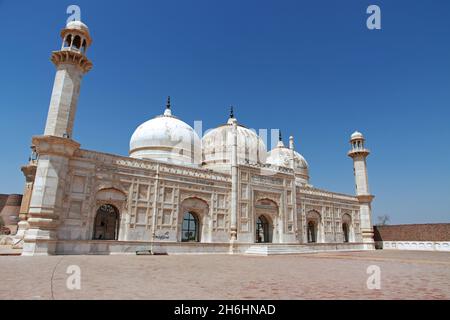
point(3, 198)
point(413, 232)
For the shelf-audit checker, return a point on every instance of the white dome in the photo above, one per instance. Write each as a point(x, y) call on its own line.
point(281, 156)
point(77, 25)
point(357, 135)
point(217, 147)
point(166, 138)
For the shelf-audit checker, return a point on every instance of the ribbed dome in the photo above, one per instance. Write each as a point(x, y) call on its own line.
point(217, 147)
point(282, 156)
point(166, 138)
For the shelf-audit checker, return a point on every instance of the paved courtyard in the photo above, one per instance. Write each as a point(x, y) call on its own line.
point(404, 275)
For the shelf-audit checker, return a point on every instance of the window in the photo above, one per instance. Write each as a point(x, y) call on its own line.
point(68, 41)
point(77, 42)
point(190, 228)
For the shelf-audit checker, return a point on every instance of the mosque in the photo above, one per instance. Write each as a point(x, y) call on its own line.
point(177, 192)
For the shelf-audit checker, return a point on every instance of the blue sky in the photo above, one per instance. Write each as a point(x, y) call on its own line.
point(310, 68)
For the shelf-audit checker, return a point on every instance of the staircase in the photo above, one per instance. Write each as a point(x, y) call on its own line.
point(277, 249)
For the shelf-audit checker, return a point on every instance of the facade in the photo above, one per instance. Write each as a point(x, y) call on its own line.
point(177, 192)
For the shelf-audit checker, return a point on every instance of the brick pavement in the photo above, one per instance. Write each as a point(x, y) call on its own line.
point(404, 275)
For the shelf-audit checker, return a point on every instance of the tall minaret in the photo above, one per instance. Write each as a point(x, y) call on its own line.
point(71, 64)
point(359, 154)
point(56, 147)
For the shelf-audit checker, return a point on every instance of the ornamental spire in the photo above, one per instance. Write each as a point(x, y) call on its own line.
point(231, 112)
point(280, 140)
point(168, 111)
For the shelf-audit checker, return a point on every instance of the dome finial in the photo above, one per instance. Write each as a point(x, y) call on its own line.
point(168, 111)
point(280, 140)
point(168, 103)
point(231, 112)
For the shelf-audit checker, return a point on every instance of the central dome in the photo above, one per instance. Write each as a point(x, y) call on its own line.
point(166, 138)
point(217, 145)
point(282, 156)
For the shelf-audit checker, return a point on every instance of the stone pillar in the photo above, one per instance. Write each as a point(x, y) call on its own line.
point(294, 191)
point(48, 193)
point(234, 184)
point(29, 171)
point(359, 154)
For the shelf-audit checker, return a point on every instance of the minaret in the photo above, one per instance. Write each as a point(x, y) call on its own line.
point(359, 154)
point(71, 64)
point(56, 147)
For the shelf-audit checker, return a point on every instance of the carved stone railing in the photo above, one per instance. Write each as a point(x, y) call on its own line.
point(269, 167)
point(128, 162)
point(323, 193)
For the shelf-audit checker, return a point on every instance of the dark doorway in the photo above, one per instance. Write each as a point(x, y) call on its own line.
point(312, 234)
point(345, 230)
point(263, 230)
point(106, 225)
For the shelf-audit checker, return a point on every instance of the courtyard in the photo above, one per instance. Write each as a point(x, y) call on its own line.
point(336, 275)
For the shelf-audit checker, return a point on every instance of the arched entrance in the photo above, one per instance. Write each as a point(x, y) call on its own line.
point(346, 232)
point(190, 228)
point(313, 227)
point(346, 228)
point(312, 232)
point(194, 223)
point(106, 225)
point(266, 221)
point(263, 230)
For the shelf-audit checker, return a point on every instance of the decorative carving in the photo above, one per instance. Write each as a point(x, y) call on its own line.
point(275, 197)
point(267, 180)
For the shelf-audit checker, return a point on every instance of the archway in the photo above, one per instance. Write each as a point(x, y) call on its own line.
point(346, 232)
point(313, 227)
point(312, 232)
point(190, 228)
point(196, 211)
point(346, 228)
point(266, 221)
point(106, 225)
point(263, 230)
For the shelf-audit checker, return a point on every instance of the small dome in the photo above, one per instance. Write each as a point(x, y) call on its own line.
point(357, 135)
point(217, 147)
point(281, 156)
point(77, 25)
point(166, 138)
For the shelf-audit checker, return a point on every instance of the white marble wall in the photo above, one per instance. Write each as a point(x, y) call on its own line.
point(416, 245)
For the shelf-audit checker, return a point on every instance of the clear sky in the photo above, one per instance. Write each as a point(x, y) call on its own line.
point(310, 68)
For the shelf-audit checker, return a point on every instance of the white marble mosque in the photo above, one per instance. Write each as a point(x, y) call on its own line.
point(178, 192)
